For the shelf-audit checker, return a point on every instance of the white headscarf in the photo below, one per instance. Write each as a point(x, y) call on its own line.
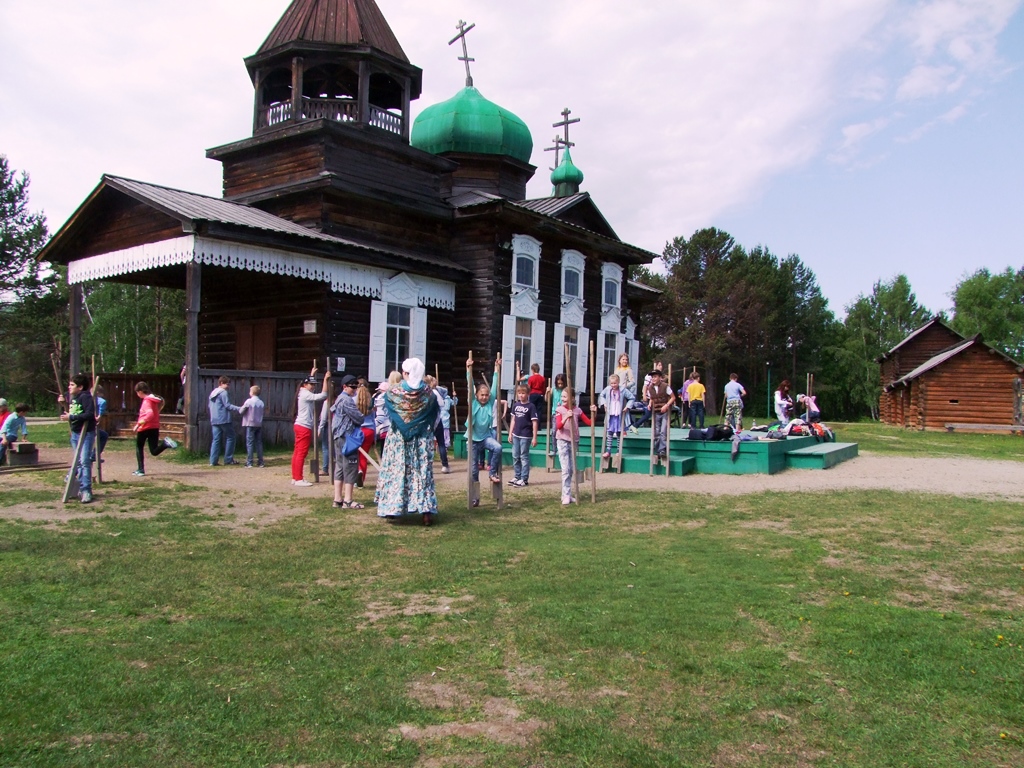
point(415, 368)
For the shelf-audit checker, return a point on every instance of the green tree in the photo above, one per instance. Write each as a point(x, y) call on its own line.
point(992, 305)
point(33, 304)
point(22, 234)
point(874, 325)
point(134, 327)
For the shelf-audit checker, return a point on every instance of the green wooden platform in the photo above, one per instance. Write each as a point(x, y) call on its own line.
point(821, 456)
point(688, 456)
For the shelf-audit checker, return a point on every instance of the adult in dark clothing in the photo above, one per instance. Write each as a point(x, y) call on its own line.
point(81, 416)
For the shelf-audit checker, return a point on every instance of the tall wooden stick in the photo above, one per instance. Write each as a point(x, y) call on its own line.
point(573, 432)
point(99, 455)
point(497, 489)
point(668, 428)
point(470, 453)
point(549, 422)
point(56, 375)
point(315, 462)
point(593, 427)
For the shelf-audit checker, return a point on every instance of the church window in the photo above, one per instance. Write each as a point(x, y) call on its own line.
point(611, 293)
point(524, 341)
point(571, 283)
point(398, 336)
point(572, 342)
point(525, 271)
point(610, 353)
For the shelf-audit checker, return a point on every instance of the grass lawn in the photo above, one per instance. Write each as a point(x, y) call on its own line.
point(881, 438)
point(852, 629)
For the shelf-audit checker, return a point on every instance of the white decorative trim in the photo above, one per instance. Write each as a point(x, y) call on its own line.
point(573, 307)
point(572, 312)
point(139, 258)
point(399, 289)
point(574, 260)
point(630, 328)
point(353, 279)
point(525, 299)
point(524, 244)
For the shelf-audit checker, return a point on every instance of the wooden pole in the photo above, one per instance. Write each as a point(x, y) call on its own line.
point(314, 463)
point(549, 462)
point(99, 456)
point(593, 428)
point(60, 387)
point(573, 433)
point(330, 428)
point(470, 454)
point(653, 430)
point(668, 428)
point(497, 489)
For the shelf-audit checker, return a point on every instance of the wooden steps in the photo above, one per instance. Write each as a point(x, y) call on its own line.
point(821, 455)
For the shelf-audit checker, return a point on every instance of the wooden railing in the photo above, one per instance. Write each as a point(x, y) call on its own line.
point(389, 121)
point(342, 110)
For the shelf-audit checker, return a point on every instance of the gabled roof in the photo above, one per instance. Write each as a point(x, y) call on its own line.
point(195, 210)
point(935, 321)
point(336, 22)
point(945, 355)
point(579, 209)
point(557, 209)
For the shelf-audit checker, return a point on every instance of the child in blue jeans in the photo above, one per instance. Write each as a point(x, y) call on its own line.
point(483, 426)
point(523, 435)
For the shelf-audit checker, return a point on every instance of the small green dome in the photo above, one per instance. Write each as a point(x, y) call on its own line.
point(468, 122)
point(567, 172)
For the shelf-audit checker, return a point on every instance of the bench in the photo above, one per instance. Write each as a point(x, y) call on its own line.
point(1013, 428)
point(821, 456)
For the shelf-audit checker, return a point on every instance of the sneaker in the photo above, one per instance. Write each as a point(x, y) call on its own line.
point(606, 455)
point(566, 501)
point(302, 483)
point(170, 443)
point(476, 502)
point(446, 470)
point(519, 483)
point(261, 465)
point(86, 497)
point(231, 461)
point(139, 473)
point(514, 481)
point(248, 466)
point(633, 430)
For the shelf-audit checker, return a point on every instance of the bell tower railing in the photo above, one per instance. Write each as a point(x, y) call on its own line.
point(342, 110)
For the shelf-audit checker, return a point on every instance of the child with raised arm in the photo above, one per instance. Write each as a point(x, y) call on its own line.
point(616, 402)
point(482, 414)
point(147, 428)
point(252, 420)
point(523, 436)
point(567, 432)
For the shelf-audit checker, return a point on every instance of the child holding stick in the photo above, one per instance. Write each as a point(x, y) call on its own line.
point(482, 415)
point(567, 417)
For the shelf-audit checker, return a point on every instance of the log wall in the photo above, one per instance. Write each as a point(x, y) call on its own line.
point(975, 387)
point(917, 351)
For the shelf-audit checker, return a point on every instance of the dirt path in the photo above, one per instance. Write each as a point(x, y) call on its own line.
point(249, 499)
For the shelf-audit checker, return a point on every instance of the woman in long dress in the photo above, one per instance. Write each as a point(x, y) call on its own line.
point(406, 482)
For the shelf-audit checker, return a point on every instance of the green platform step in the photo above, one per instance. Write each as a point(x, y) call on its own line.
point(766, 457)
point(821, 455)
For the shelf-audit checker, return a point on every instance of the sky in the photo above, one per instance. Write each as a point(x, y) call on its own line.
point(868, 137)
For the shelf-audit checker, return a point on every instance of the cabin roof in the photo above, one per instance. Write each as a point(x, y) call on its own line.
point(336, 22)
point(947, 354)
point(193, 209)
point(553, 209)
point(914, 334)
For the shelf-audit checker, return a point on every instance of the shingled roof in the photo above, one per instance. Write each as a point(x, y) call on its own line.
point(340, 22)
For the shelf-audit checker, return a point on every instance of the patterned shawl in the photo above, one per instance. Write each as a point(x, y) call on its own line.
point(412, 411)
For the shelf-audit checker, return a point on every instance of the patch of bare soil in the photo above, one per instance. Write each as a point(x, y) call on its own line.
point(248, 500)
point(414, 605)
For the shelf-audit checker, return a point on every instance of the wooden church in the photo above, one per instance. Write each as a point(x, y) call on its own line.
point(350, 232)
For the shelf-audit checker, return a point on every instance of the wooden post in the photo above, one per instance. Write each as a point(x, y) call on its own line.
point(75, 351)
point(470, 454)
point(99, 456)
point(314, 463)
point(193, 404)
point(497, 489)
point(573, 433)
point(668, 428)
point(593, 428)
point(297, 85)
point(653, 432)
point(61, 388)
point(71, 485)
point(549, 459)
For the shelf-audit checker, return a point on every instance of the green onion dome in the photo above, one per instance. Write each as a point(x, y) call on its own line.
point(468, 122)
point(567, 173)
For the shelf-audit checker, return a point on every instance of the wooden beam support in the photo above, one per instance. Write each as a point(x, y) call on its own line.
point(193, 297)
point(75, 311)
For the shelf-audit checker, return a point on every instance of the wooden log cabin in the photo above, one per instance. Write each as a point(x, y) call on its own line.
point(347, 232)
point(935, 379)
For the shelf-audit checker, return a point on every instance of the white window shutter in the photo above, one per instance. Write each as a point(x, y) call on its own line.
point(599, 375)
point(557, 352)
point(378, 332)
point(418, 347)
point(620, 347)
point(582, 356)
point(634, 363)
point(508, 351)
point(539, 327)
